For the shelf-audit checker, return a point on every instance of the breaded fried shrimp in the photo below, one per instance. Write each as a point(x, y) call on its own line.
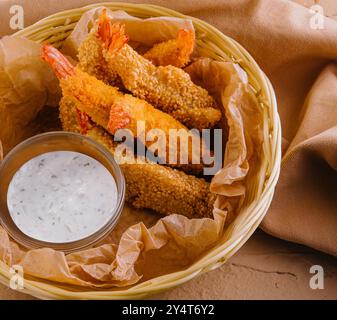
point(149, 185)
point(91, 58)
point(168, 191)
point(114, 110)
point(166, 87)
point(175, 52)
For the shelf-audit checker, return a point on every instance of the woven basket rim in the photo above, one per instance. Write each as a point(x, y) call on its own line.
point(272, 148)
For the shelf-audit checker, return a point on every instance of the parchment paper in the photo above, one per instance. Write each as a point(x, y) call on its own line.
point(26, 85)
point(153, 30)
point(144, 246)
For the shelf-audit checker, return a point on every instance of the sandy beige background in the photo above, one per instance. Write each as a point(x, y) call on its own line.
point(43, 8)
point(265, 268)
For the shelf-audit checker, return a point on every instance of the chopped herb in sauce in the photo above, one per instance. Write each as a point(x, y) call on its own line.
point(59, 200)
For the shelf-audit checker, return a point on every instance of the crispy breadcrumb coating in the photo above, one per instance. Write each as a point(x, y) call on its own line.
point(91, 59)
point(149, 185)
point(167, 190)
point(166, 87)
point(114, 110)
point(175, 52)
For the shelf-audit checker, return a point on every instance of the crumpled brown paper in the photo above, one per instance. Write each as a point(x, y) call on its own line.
point(26, 85)
point(173, 242)
point(228, 83)
point(153, 30)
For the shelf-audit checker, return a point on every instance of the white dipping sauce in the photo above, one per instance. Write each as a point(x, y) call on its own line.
point(61, 196)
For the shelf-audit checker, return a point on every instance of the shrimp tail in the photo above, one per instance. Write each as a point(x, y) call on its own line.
point(83, 121)
point(111, 34)
point(104, 31)
point(175, 52)
point(185, 41)
point(119, 118)
point(62, 67)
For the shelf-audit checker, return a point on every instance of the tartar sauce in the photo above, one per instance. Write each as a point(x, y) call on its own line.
point(61, 196)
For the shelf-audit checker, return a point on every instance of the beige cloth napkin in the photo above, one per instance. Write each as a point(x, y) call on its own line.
point(301, 63)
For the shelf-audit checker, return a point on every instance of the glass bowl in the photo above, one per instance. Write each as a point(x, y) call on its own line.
point(58, 141)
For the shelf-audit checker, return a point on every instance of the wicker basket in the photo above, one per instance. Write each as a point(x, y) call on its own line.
point(54, 29)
